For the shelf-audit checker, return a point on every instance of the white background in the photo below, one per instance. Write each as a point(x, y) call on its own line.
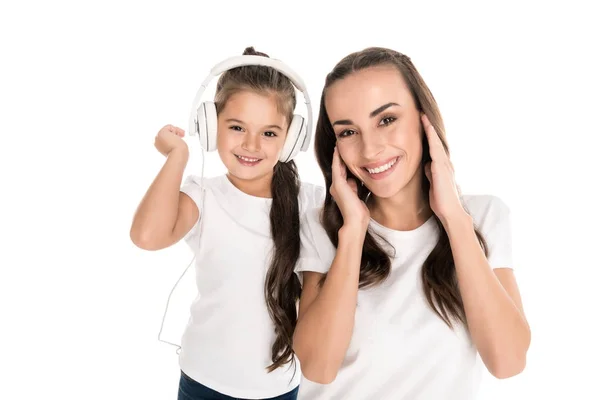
point(84, 87)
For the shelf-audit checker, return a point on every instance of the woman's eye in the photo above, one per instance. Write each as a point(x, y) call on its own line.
point(346, 133)
point(387, 120)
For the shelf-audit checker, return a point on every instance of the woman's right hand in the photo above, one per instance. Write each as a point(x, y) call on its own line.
point(168, 139)
point(344, 191)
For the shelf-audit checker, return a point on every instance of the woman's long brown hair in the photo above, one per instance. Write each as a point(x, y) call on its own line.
point(282, 287)
point(438, 273)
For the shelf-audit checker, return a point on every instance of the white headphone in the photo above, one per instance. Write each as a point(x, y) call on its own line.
point(203, 117)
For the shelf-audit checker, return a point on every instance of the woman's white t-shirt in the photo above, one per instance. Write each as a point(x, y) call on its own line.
point(227, 342)
point(400, 349)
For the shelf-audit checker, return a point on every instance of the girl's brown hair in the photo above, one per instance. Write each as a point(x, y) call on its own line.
point(282, 287)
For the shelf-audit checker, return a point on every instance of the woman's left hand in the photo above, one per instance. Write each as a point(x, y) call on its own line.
point(444, 199)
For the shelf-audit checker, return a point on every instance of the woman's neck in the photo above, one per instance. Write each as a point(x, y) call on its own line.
point(405, 211)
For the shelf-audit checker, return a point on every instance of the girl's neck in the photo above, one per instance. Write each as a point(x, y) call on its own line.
point(258, 187)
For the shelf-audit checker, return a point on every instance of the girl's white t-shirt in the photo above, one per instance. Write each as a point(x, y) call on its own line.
point(227, 342)
point(400, 349)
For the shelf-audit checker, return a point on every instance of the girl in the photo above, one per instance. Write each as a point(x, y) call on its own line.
point(244, 230)
point(405, 281)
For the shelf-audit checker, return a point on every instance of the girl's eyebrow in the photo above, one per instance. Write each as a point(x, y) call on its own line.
point(242, 123)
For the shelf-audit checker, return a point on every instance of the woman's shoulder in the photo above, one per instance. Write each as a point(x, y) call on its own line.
point(310, 196)
point(316, 250)
point(486, 209)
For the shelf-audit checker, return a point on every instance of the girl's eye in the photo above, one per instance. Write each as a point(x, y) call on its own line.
point(270, 134)
point(236, 128)
point(387, 120)
point(346, 133)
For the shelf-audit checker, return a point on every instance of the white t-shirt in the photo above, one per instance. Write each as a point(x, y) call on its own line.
point(227, 342)
point(400, 349)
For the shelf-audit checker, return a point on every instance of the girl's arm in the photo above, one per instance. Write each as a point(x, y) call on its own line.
point(165, 214)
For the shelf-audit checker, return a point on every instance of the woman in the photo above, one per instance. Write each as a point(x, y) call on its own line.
point(405, 281)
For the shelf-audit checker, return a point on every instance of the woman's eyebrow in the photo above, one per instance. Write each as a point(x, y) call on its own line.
point(379, 110)
point(373, 113)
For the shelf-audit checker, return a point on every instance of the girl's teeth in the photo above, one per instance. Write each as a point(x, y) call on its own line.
point(248, 159)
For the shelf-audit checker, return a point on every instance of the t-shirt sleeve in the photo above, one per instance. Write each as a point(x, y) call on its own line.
point(316, 250)
point(311, 196)
point(192, 186)
point(496, 228)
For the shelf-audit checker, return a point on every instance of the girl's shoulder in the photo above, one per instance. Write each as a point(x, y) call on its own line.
point(200, 182)
point(310, 195)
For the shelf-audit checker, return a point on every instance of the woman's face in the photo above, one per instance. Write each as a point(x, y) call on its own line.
point(378, 129)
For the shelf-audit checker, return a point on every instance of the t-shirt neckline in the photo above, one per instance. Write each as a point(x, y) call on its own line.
point(235, 191)
point(425, 229)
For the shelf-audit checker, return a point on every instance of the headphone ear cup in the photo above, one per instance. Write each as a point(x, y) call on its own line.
point(294, 139)
point(207, 125)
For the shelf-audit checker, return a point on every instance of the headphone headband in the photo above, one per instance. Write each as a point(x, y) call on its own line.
point(246, 60)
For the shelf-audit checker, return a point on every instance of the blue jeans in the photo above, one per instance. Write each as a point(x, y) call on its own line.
point(189, 389)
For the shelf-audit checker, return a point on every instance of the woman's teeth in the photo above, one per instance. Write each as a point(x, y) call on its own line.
point(382, 168)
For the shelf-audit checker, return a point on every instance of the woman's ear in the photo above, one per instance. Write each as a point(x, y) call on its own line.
point(426, 157)
point(421, 126)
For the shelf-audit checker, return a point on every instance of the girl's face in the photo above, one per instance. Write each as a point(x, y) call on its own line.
point(251, 134)
point(378, 129)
